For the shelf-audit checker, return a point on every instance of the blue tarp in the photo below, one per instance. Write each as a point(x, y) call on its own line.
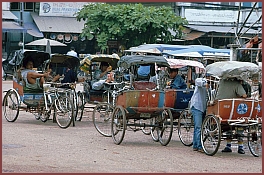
point(200, 50)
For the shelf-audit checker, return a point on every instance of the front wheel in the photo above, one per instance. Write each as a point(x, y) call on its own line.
point(255, 140)
point(118, 124)
point(102, 114)
point(80, 106)
point(165, 128)
point(64, 111)
point(10, 106)
point(211, 135)
point(186, 128)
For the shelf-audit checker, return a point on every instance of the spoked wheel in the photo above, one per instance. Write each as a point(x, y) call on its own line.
point(255, 140)
point(11, 106)
point(64, 111)
point(186, 128)
point(165, 128)
point(146, 129)
point(118, 124)
point(102, 114)
point(44, 116)
point(211, 135)
point(74, 97)
point(154, 129)
point(80, 106)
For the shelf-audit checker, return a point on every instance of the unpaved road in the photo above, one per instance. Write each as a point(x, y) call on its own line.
point(31, 146)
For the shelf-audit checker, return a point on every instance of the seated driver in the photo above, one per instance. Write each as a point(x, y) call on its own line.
point(31, 78)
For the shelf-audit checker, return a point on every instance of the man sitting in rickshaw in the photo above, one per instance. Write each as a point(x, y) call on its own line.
point(177, 81)
point(101, 76)
point(32, 79)
point(229, 88)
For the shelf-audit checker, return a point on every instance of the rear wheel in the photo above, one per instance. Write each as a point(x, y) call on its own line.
point(102, 114)
point(146, 129)
point(154, 129)
point(211, 134)
point(186, 128)
point(118, 124)
point(11, 106)
point(255, 140)
point(165, 128)
point(64, 111)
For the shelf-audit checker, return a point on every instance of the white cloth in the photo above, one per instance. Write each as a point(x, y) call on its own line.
point(72, 53)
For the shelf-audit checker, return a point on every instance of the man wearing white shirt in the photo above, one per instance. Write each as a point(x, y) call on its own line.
point(72, 52)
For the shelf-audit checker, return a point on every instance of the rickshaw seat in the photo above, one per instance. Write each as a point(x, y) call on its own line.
point(143, 85)
point(28, 90)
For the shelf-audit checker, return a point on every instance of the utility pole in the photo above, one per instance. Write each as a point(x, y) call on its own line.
point(21, 23)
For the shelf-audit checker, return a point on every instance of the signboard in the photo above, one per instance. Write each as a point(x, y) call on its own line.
point(113, 44)
point(5, 5)
point(66, 9)
point(211, 15)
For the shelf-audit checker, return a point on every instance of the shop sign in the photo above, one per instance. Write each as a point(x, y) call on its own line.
point(66, 9)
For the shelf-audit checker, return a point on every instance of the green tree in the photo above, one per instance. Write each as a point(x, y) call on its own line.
point(133, 24)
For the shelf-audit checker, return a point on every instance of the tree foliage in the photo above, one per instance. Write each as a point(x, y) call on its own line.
point(133, 24)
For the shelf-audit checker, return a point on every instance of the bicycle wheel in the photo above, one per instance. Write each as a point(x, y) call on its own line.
point(80, 106)
point(165, 127)
point(186, 128)
point(118, 124)
point(10, 106)
point(102, 114)
point(255, 140)
point(64, 111)
point(154, 129)
point(210, 135)
point(146, 130)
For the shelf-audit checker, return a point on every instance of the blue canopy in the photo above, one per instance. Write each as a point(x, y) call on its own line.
point(199, 51)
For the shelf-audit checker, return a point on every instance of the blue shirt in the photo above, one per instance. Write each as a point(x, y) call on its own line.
point(69, 77)
point(178, 83)
point(143, 70)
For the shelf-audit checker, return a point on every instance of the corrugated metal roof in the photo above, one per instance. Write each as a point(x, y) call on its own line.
point(58, 24)
point(220, 29)
point(33, 30)
point(192, 35)
point(6, 14)
point(10, 26)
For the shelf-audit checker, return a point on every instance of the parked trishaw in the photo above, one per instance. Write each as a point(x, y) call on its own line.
point(41, 103)
point(100, 101)
point(144, 104)
point(59, 63)
point(227, 115)
point(182, 118)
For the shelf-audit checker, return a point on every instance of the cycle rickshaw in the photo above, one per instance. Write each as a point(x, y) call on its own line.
point(59, 63)
point(37, 102)
point(144, 104)
point(227, 115)
point(182, 118)
point(100, 101)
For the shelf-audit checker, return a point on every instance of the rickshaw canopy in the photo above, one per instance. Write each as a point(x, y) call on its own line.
point(179, 63)
point(111, 59)
point(130, 60)
point(38, 57)
point(233, 69)
point(65, 60)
